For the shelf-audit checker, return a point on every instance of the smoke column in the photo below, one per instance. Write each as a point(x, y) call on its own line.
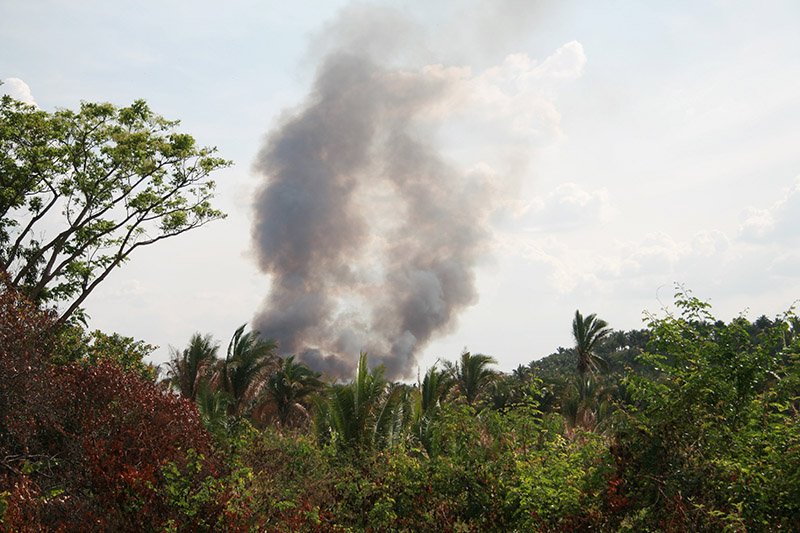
point(370, 237)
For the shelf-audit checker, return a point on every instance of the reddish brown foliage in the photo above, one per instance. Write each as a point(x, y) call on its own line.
point(93, 447)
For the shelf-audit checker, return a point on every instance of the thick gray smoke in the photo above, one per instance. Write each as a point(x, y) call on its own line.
point(370, 237)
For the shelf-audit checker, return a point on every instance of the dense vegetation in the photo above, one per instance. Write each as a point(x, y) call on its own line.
point(688, 425)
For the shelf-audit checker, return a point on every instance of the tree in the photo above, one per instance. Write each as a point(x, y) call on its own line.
point(713, 441)
point(588, 332)
point(93, 446)
point(188, 367)
point(361, 415)
point(286, 391)
point(80, 191)
point(471, 375)
point(431, 392)
point(433, 389)
point(213, 407)
point(243, 372)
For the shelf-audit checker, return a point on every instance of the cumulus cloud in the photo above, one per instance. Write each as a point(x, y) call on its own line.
point(566, 64)
point(516, 99)
point(642, 263)
point(18, 89)
point(569, 206)
point(775, 224)
point(756, 224)
point(550, 260)
point(709, 243)
point(760, 256)
point(656, 253)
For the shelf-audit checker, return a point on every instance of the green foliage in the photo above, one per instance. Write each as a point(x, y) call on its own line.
point(291, 485)
point(494, 472)
point(80, 191)
point(213, 406)
point(588, 332)
point(713, 443)
point(361, 416)
point(285, 394)
point(190, 494)
point(700, 434)
point(242, 374)
point(96, 347)
point(471, 376)
point(430, 396)
point(559, 483)
point(187, 368)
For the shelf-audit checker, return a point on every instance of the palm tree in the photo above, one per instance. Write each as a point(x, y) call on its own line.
point(286, 391)
point(363, 414)
point(523, 374)
point(433, 389)
point(243, 372)
point(189, 367)
point(431, 392)
point(589, 405)
point(588, 332)
point(213, 407)
point(471, 376)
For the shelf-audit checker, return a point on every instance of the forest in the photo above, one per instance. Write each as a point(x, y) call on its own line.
point(689, 424)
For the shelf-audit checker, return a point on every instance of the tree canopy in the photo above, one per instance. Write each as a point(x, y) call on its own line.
point(81, 190)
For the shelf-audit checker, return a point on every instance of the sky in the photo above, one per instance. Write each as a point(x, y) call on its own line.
point(515, 161)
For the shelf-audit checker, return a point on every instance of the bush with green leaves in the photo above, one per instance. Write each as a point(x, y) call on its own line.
point(714, 442)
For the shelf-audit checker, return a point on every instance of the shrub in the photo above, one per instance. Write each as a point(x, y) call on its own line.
point(92, 447)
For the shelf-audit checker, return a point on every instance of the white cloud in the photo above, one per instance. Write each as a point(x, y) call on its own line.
point(566, 63)
point(757, 224)
point(569, 207)
point(708, 243)
point(512, 103)
point(605, 266)
point(18, 89)
point(519, 92)
point(776, 224)
point(552, 260)
point(657, 253)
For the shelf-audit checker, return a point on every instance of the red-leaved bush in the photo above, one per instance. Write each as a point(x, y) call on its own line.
point(93, 448)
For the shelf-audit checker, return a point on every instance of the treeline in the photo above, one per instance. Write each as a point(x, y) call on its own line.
point(688, 425)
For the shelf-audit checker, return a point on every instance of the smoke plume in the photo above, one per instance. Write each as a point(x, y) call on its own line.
point(370, 236)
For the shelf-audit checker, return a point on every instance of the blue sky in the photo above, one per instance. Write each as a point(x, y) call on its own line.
point(629, 145)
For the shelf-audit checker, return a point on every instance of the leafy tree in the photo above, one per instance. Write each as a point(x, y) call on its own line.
point(188, 367)
point(588, 332)
point(243, 372)
point(286, 392)
point(471, 375)
point(80, 191)
point(77, 346)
